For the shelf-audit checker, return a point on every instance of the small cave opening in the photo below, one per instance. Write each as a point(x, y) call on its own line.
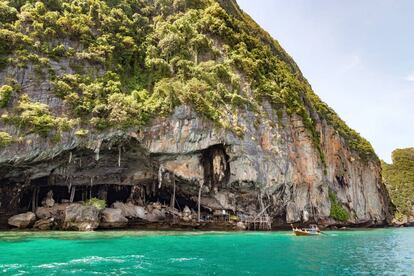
point(164, 196)
point(25, 200)
point(340, 179)
point(115, 193)
point(216, 166)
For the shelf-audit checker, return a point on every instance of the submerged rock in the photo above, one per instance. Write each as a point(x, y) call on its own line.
point(81, 218)
point(112, 218)
point(22, 220)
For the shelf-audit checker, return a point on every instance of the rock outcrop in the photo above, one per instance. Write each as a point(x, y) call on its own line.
point(45, 224)
point(80, 218)
point(130, 210)
point(113, 218)
point(22, 220)
point(265, 156)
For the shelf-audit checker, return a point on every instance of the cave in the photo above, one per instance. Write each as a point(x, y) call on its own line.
point(123, 173)
point(39, 189)
point(216, 166)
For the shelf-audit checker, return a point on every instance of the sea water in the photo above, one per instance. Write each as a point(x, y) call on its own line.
point(368, 252)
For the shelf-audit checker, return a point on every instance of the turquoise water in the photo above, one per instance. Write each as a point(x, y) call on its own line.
point(370, 252)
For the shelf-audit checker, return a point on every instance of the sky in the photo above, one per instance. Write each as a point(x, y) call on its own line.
point(357, 55)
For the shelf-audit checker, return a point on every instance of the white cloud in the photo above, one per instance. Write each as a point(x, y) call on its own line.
point(410, 77)
point(352, 62)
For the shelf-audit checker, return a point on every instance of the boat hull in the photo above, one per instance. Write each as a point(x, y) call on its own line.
point(305, 233)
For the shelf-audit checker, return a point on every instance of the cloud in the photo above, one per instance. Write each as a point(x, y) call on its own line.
point(353, 61)
point(410, 77)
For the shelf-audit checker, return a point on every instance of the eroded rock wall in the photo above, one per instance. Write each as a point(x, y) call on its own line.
point(273, 167)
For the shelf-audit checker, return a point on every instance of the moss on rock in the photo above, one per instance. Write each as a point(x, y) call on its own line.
point(5, 139)
point(338, 212)
point(135, 60)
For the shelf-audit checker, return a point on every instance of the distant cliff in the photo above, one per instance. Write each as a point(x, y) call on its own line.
point(399, 179)
point(190, 101)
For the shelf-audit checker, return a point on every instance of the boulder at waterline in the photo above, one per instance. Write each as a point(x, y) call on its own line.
point(113, 218)
point(81, 218)
point(22, 220)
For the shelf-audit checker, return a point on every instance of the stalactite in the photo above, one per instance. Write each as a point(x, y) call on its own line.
point(72, 194)
point(70, 157)
point(119, 156)
point(97, 150)
point(201, 183)
point(172, 202)
point(90, 190)
point(34, 199)
point(160, 174)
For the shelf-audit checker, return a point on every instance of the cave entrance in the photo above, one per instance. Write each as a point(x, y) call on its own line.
point(164, 196)
point(116, 193)
point(32, 196)
point(216, 166)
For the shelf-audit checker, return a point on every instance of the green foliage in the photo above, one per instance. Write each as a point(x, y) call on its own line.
point(338, 212)
point(399, 179)
point(5, 93)
point(5, 139)
point(36, 117)
point(81, 132)
point(134, 60)
point(96, 202)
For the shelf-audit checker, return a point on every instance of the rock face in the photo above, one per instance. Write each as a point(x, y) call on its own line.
point(22, 220)
point(129, 210)
point(275, 165)
point(272, 169)
point(44, 224)
point(80, 218)
point(113, 218)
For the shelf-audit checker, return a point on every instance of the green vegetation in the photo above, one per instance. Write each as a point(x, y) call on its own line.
point(5, 139)
point(133, 60)
point(5, 93)
point(338, 212)
point(399, 179)
point(81, 132)
point(36, 118)
point(96, 202)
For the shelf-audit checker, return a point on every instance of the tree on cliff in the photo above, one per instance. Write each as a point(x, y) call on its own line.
point(123, 62)
point(399, 178)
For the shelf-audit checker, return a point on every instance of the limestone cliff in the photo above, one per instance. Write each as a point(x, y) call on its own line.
point(252, 140)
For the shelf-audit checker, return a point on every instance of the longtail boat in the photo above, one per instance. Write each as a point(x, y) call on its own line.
point(313, 230)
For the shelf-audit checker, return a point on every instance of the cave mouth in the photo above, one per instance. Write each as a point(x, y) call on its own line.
point(32, 197)
point(216, 166)
point(165, 195)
